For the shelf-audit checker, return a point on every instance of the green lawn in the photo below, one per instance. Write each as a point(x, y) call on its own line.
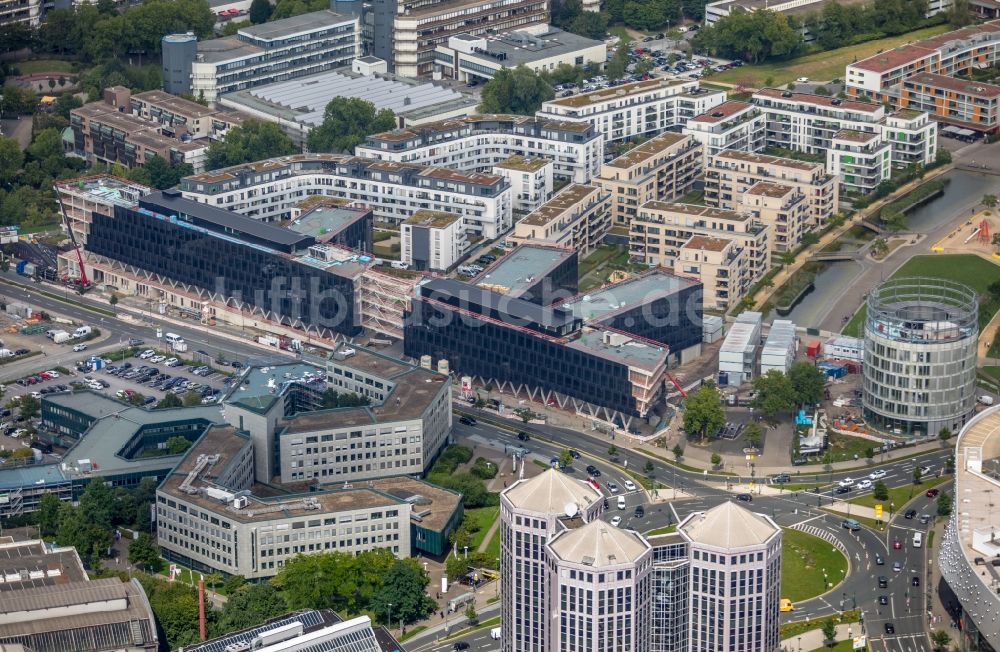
point(899, 496)
point(843, 448)
point(43, 65)
point(799, 627)
point(821, 66)
point(662, 530)
point(493, 547)
point(803, 560)
point(978, 273)
point(484, 517)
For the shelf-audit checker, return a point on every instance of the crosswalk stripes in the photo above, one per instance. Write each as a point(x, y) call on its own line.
point(822, 533)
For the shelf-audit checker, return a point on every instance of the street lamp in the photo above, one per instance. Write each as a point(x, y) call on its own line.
point(390, 615)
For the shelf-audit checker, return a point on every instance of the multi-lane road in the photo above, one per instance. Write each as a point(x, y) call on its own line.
point(905, 604)
point(144, 327)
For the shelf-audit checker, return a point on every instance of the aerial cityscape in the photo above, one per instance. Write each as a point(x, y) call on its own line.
point(528, 326)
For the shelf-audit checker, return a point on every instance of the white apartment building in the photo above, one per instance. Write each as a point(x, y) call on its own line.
point(645, 108)
point(731, 173)
point(600, 588)
point(807, 123)
point(260, 54)
point(732, 125)
point(738, 354)
point(530, 181)
point(479, 142)
point(532, 512)
point(661, 229)
point(269, 190)
point(860, 160)
point(732, 547)
point(577, 218)
point(430, 240)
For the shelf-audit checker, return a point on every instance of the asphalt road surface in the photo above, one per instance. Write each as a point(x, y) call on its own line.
point(859, 589)
point(123, 330)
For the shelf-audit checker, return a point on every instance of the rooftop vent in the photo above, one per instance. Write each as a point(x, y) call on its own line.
point(718, 114)
point(786, 94)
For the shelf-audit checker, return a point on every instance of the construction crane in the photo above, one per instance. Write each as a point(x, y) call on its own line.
point(84, 283)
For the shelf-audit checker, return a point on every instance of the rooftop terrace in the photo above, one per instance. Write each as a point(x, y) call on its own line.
point(564, 202)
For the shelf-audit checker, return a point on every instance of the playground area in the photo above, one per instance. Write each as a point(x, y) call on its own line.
point(975, 236)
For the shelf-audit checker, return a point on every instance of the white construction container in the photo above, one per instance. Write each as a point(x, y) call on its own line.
point(779, 348)
point(845, 348)
point(738, 355)
point(711, 329)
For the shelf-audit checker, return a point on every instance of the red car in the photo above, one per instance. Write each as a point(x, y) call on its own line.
point(897, 545)
point(931, 493)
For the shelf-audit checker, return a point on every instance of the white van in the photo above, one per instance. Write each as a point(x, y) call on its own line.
point(918, 539)
point(172, 337)
point(495, 633)
point(621, 502)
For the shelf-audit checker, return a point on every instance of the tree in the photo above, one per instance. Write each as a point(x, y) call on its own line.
point(917, 475)
point(879, 247)
point(191, 399)
point(989, 201)
point(774, 393)
point(249, 606)
point(959, 15)
point(870, 454)
point(260, 11)
point(612, 451)
point(807, 382)
point(616, 67)
point(716, 459)
point(403, 587)
point(678, 452)
point(137, 399)
point(177, 445)
point(880, 491)
point(143, 553)
point(829, 632)
point(347, 121)
point(11, 159)
point(470, 613)
point(163, 174)
point(520, 91)
point(752, 433)
point(649, 468)
point(703, 412)
point(48, 514)
point(995, 240)
point(17, 101)
point(591, 24)
point(943, 504)
point(29, 406)
point(169, 401)
point(940, 639)
point(251, 141)
point(944, 434)
point(565, 459)
point(751, 36)
point(821, 90)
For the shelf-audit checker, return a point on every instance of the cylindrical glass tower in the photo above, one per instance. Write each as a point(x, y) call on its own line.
point(919, 369)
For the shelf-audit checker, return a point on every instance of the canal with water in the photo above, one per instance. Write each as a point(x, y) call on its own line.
point(834, 277)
